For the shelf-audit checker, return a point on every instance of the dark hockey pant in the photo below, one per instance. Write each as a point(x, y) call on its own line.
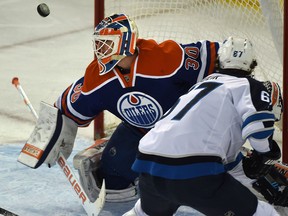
point(211, 195)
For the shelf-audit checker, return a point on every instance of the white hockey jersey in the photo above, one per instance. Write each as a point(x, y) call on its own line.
point(206, 128)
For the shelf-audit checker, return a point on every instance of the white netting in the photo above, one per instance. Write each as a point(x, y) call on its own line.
point(192, 20)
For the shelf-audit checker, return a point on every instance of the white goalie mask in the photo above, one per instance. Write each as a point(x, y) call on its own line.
point(237, 53)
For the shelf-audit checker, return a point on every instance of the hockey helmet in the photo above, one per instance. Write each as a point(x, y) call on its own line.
point(237, 53)
point(114, 38)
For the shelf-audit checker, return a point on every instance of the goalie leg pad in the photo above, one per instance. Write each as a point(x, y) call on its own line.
point(87, 163)
point(125, 195)
point(53, 133)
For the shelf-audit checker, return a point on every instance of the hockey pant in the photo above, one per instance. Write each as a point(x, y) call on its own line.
point(211, 195)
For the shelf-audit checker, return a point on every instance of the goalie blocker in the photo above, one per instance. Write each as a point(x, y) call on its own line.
point(53, 133)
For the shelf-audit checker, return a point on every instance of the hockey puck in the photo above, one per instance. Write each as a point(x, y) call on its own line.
point(43, 10)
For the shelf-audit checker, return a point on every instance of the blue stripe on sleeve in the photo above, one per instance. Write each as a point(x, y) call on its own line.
point(262, 134)
point(263, 116)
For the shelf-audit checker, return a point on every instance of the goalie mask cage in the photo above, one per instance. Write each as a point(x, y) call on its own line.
point(262, 21)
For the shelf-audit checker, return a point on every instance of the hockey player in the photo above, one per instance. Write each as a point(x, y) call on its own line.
point(184, 159)
point(137, 80)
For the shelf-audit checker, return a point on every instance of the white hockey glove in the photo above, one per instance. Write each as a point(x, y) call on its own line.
point(259, 164)
point(87, 163)
point(53, 133)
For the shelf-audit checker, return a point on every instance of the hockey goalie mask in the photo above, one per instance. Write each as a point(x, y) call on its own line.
point(114, 38)
point(276, 98)
point(237, 53)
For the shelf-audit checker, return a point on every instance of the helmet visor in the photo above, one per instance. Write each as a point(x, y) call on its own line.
point(105, 45)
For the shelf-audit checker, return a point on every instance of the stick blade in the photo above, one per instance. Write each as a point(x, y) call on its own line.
point(100, 202)
point(6, 212)
point(94, 209)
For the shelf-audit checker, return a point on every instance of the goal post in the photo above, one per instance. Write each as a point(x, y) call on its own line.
point(285, 87)
point(99, 130)
point(186, 21)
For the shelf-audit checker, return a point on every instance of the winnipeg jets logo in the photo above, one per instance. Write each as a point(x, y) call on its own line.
point(139, 109)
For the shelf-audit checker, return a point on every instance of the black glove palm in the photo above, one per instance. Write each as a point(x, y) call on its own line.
point(254, 167)
point(259, 164)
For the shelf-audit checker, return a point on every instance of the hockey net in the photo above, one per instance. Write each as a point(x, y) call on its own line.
point(191, 20)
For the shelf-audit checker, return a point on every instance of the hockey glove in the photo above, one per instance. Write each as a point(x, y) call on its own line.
point(259, 164)
point(268, 188)
point(273, 187)
point(282, 199)
point(53, 133)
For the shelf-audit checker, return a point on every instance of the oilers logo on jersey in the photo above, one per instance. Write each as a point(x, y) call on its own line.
point(139, 109)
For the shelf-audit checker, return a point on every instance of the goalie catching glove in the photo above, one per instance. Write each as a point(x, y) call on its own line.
point(53, 133)
point(259, 164)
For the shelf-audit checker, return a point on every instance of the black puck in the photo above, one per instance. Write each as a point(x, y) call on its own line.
point(43, 10)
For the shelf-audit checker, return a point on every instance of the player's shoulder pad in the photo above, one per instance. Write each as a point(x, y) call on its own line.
point(157, 55)
point(93, 79)
point(256, 86)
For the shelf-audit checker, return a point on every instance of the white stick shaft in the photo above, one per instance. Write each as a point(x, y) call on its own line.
point(27, 101)
point(92, 209)
point(21, 91)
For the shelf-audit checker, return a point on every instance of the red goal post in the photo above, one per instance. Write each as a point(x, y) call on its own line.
point(99, 131)
point(262, 21)
point(285, 87)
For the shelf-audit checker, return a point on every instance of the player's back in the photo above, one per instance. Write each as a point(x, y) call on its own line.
point(206, 121)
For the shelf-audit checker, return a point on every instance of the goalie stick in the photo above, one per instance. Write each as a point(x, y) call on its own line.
point(16, 83)
point(92, 209)
point(6, 212)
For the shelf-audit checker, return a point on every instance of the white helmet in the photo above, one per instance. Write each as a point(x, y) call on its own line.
point(237, 53)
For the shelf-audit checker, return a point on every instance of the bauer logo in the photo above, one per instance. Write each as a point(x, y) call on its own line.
point(139, 109)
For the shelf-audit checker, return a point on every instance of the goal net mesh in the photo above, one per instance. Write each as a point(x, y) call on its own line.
point(188, 21)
